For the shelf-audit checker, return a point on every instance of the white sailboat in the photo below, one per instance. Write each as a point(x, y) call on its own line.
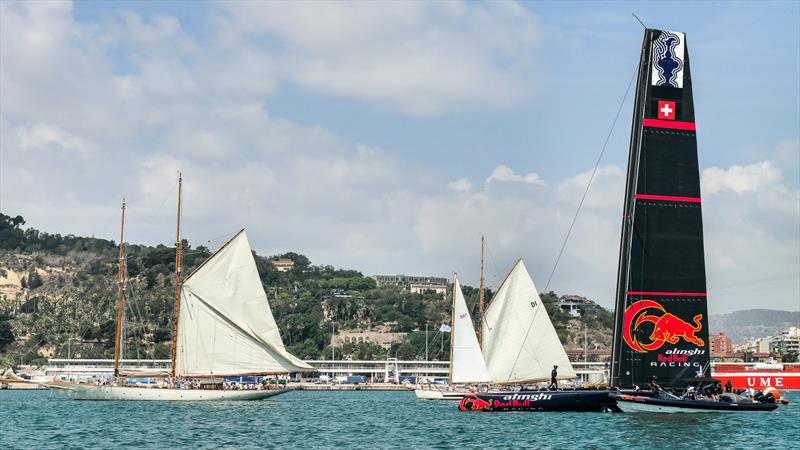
point(223, 327)
point(520, 344)
point(466, 361)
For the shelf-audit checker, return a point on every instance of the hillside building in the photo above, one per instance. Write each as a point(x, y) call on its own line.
point(422, 288)
point(283, 264)
point(574, 305)
point(382, 338)
point(416, 284)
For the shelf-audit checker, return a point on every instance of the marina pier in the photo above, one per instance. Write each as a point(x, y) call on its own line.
point(374, 371)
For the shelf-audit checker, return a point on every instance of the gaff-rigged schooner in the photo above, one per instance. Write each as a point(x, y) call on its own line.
point(661, 317)
point(223, 327)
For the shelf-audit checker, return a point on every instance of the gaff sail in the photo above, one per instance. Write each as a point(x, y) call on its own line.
point(519, 341)
point(661, 316)
point(467, 365)
point(226, 325)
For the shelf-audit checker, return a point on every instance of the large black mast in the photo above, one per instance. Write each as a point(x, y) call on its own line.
point(660, 324)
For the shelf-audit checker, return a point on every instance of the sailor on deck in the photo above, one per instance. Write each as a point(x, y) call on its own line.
point(553, 379)
point(654, 385)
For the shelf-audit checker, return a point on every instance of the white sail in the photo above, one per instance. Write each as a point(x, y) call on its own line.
point(225, 325)
point(468, 365)
point(519, 341)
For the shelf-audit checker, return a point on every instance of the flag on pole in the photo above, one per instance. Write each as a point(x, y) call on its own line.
point(445, 328)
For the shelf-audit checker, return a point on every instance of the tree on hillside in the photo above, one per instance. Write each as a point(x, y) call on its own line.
point(6, 332)
point(34, 279)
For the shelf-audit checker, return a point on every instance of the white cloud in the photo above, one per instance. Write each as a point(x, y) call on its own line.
point(505, 174)
point(460, 185)
point(739, 179)
point(41, 136)
point(421, 58)
point(201, 106)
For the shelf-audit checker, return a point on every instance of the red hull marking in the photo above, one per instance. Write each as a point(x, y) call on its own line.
point(669, 294)
point(655, 123)
point(668, 198)
point(759, 380)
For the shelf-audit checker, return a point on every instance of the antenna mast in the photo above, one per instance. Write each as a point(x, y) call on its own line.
point(481, 302)
point(121, 291)
point(176, 313)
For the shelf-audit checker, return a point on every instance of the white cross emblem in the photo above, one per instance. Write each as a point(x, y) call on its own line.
point(666, 110)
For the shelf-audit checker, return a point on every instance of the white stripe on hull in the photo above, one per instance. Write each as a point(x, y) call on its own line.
point(83, 392)
point(435, 394)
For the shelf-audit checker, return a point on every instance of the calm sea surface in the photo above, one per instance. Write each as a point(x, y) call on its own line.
point(305, 419)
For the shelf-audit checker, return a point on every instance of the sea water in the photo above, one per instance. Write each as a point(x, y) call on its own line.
point(362, 419)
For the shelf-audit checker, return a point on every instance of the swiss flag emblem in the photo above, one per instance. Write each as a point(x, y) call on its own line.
point(666, 110)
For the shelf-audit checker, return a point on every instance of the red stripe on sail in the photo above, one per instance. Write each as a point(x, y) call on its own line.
point(669, 294)
point(655, 123)
point(668, 198)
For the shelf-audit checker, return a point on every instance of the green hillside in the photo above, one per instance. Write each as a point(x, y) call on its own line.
point(58, 299)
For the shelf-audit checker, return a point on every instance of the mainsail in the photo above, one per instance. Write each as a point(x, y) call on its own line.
point(226, 325)
point(661, 315)
point(519, 341)
point(467, 360)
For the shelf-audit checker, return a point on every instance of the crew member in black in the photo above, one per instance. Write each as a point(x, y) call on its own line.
point(553, 379)
point(654, 385)
point(728, 386)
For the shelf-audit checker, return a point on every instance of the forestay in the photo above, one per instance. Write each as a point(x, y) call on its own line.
point(468, 365)
point(519, 341)
point(226, 325)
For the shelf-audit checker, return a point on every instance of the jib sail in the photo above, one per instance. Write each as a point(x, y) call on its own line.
point(661, 317)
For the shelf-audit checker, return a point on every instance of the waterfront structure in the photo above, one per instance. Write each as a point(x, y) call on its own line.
point(283, 264)
point(374, 371)
point(720, 344)
point(763, 344)
point(786, 342)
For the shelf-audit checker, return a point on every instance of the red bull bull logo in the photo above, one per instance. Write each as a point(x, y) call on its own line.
point(667, 327)
point(472, 402)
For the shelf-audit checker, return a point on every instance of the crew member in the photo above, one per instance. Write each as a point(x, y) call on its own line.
point(654, 385)
point(553, 379)
point(728, 386)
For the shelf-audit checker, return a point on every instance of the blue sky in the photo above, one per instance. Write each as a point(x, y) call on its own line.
point(388, 138)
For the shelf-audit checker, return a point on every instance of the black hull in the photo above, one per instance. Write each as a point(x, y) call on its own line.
point(635, 403)
point(540, 401)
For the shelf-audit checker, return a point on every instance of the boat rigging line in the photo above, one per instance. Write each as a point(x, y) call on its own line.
point(580, 205)
point(591, 178)
point(640, 20)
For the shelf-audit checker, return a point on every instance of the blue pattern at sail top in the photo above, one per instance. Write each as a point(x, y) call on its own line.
point(668, 51)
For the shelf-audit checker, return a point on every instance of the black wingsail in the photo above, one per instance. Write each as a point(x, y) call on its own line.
point(661, 314)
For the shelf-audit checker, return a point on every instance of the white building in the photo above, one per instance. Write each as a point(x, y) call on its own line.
point(787, 341)
point(283, 264)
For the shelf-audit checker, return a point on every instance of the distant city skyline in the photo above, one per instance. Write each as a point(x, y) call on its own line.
point(387, 137)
